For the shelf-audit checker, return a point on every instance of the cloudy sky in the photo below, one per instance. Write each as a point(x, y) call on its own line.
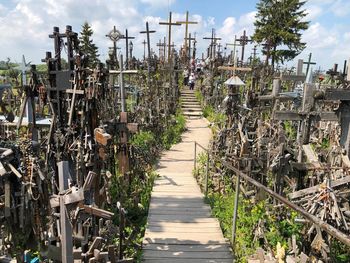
point(26, 24)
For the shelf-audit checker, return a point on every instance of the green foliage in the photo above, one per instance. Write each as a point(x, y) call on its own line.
point(145, 141)
point(172, 134)
point(279, 24)
point(339, 252)
point(290, 130)
point(250, 216)
point(87, 46)
point(218, 118)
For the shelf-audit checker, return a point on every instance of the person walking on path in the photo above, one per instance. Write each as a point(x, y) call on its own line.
point(192, 81)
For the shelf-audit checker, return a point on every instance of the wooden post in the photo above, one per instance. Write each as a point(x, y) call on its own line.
point(207, 175)
point(66, 229)
point(235, 211)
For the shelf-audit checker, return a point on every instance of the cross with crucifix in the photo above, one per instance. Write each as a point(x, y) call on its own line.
point(149, 51)
point(243, 41)
point(126, 37)
point(169, 24)
point(213, 40)
point(187, 22)
point(308, 63)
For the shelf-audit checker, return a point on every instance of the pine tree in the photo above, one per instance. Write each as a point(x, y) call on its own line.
point(278, 25)
point(87, 46)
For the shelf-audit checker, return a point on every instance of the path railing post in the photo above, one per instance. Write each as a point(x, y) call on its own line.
point(195, 157)
point(234, 220)
point(207, 175)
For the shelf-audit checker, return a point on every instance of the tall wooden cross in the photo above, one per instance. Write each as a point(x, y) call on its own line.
point(243, 40)
point(126, 37)
point(213, 40)
point(187, 22)
point(149, 51)
point(189, 39)
point(308, 63)
point(169, 24)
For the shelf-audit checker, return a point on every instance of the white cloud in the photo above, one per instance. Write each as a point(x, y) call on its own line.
point(318, 37)
point(313, 11)
point(158, 3)
point(341, 8)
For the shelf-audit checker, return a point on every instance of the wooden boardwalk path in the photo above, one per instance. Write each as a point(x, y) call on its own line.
point(180, 226)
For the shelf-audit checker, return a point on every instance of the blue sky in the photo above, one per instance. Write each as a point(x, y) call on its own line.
point(25, 24)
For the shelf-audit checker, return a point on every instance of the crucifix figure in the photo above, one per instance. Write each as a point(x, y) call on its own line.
point(187, 22)
point(169, 24)
point(243, 40)
point(213, 40)
point(126, 37)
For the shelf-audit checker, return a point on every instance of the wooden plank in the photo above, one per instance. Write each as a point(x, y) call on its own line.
point(293, 77)
point(311, 156)
point(185, 225)
point(182, 219)
point(189, 248)
point(186, 260)
point(337, 94)
point(286, 115)
point(187, 254)
point(311, 190)
point(180, 213)
point(195, 229)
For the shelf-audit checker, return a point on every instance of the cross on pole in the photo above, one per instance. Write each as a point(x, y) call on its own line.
point(243, 40)
point(169, 24)
point(233, 54)
point(308, 63)
point(161, 48)
point(115, 36)
point(187, 22)
point(189, 39)
point(149, 51)
point(126, 37)
point(213, 40)
point(144, 49)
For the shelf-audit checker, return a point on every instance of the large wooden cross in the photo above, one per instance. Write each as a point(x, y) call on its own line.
point(213, 40)
point(169, 24)
point(149, 51)
point(187, 22)
point(243, 40)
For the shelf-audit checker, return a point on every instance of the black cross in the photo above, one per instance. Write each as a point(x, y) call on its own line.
point(243, 41)
point(126, 37)
point(308, 63)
